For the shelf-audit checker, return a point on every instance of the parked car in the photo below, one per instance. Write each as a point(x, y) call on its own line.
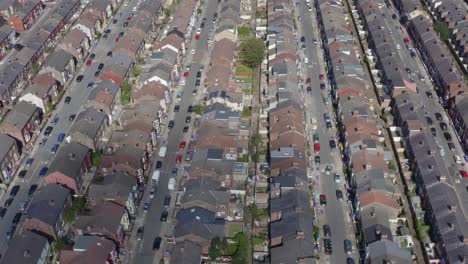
point(109, 54)
point(316, 138)
point(188, 119)
point(339, 195)
point(178, 158)
point(60, 137)
point(182, 144)
point(140, 232)
point(8, 202)
point(164, 215)
point(80, 77)
point(317, 159)
point(55, 120)
point(10, 231)
point(152, 192)
point(146, 206)
point(14, 191)
point(317, 148)
point(443, 126)
point(323, 199)
point(433, 131)
point(158, 164)
point(22, 174)
point(186, 129)
point(447, 136)
point(348, 247)
point(190, 109)
point(157, 243)
point(326, 230)
point(101, 66)
point(176, 108)
point(332, 144)
point(29, 162)
point(71, 117)
point(451, 146)
point(67, 99)
point(3, 211)
point(438, 116)
point(54, 148)
point(167, 200)
point(43, 171)
point(328, 169)
point(88, 62)
point(32, 189)
point(48, 130)
point(429, 120)
point(337, 178)
point(42, 142)
point(171, 124)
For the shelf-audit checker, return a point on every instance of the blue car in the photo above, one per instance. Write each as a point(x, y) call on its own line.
point(43, 171)
point(309, 89)
point(60, 137)
point(152, 192)
point(29, 162)
point(146, 206)
point(54, 148)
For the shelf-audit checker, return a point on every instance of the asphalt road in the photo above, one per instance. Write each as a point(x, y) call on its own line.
point(336, 212)
point(142, 251)
point(41, 154)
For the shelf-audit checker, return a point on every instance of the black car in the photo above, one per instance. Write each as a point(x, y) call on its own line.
point(109, 54)
point(105, 36)
point(14, 191)
point(447, 136)
point(16, 218)
point(121, 34)
point(302, 39)
point(348, 246)
point(327, 243)
point(164, 216)
point(433, 131)
point(202, 25)
point(157, 243)
point(451, 146)
point(326, 230)
point(3, 211)
point(322, 86)
point(79, 78)
point(429, 120)
point(339, 195)
point(188, 119)
point(22, 173)
point(107, 31)
point(158, 164)
point(176, 108)
point(197, 83)
point(114, 21)
point(443, 126)
point(8, 202)
point(171, 124)
point(198, 74)
point(167, 200)
point(317, 159)
point(67, 99)
point(92, 56)
point(71, 117)
point(32, 189)
point(190, 109)
point(186, 128)
point(140, 232)
point(332, 144)
point(96, 74)
point(349, 261)
point(101, 66)
point(429, 94)
point(438, 116)
point(125, 24)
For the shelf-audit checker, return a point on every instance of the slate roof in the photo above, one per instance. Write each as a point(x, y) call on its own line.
point(115, 184)
point(88, 122)
point(186, 252)
point(385, 251)
point(20, 114)
point(47, 204)
point(6, 142)
point(25, 248)
point(69, 160)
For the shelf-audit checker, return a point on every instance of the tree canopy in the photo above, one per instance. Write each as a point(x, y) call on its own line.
point(252, 52)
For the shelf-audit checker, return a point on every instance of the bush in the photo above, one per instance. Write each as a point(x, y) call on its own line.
point(252, 52)
point(443, 30)
point(243, 31)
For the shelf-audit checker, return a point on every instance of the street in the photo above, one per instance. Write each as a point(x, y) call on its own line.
point(42, 155)
point(336, 212)
point(142, 251)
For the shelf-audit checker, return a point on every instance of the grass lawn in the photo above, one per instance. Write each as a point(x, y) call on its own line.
point(234, 230)
point(247, 91)
point(245, 80)
point(243, 69)
point(246, 112)
point(257, 240)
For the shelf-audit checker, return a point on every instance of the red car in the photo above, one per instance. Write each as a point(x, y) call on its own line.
point(129, 18)
point(406, 40)
point(321, 76)
point(464, 174)
point(323, 199)
point(178, 158)
point(88, 62)
point(308, 80)
point(182, 144)
point(186, 74)
point(197, 36)
point(317, 148)
point(117, 39)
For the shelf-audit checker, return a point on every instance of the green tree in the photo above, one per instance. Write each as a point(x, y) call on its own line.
point(443, 30)
point(199, 11)
point(240, 256)
point(136, 71)
point(215, 249)
point(252, 52)
point(96, 158)
point(36, 68)
point(167, 12)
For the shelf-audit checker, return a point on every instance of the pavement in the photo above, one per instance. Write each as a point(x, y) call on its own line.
point(336, 212)
point(142, 251)
point(41, 154)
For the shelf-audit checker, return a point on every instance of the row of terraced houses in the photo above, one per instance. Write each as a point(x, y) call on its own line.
point(98, 234)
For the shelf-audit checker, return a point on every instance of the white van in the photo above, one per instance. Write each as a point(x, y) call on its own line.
point(306, 60)
point(457, 159)
point(162, 152)
point(156, 176)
